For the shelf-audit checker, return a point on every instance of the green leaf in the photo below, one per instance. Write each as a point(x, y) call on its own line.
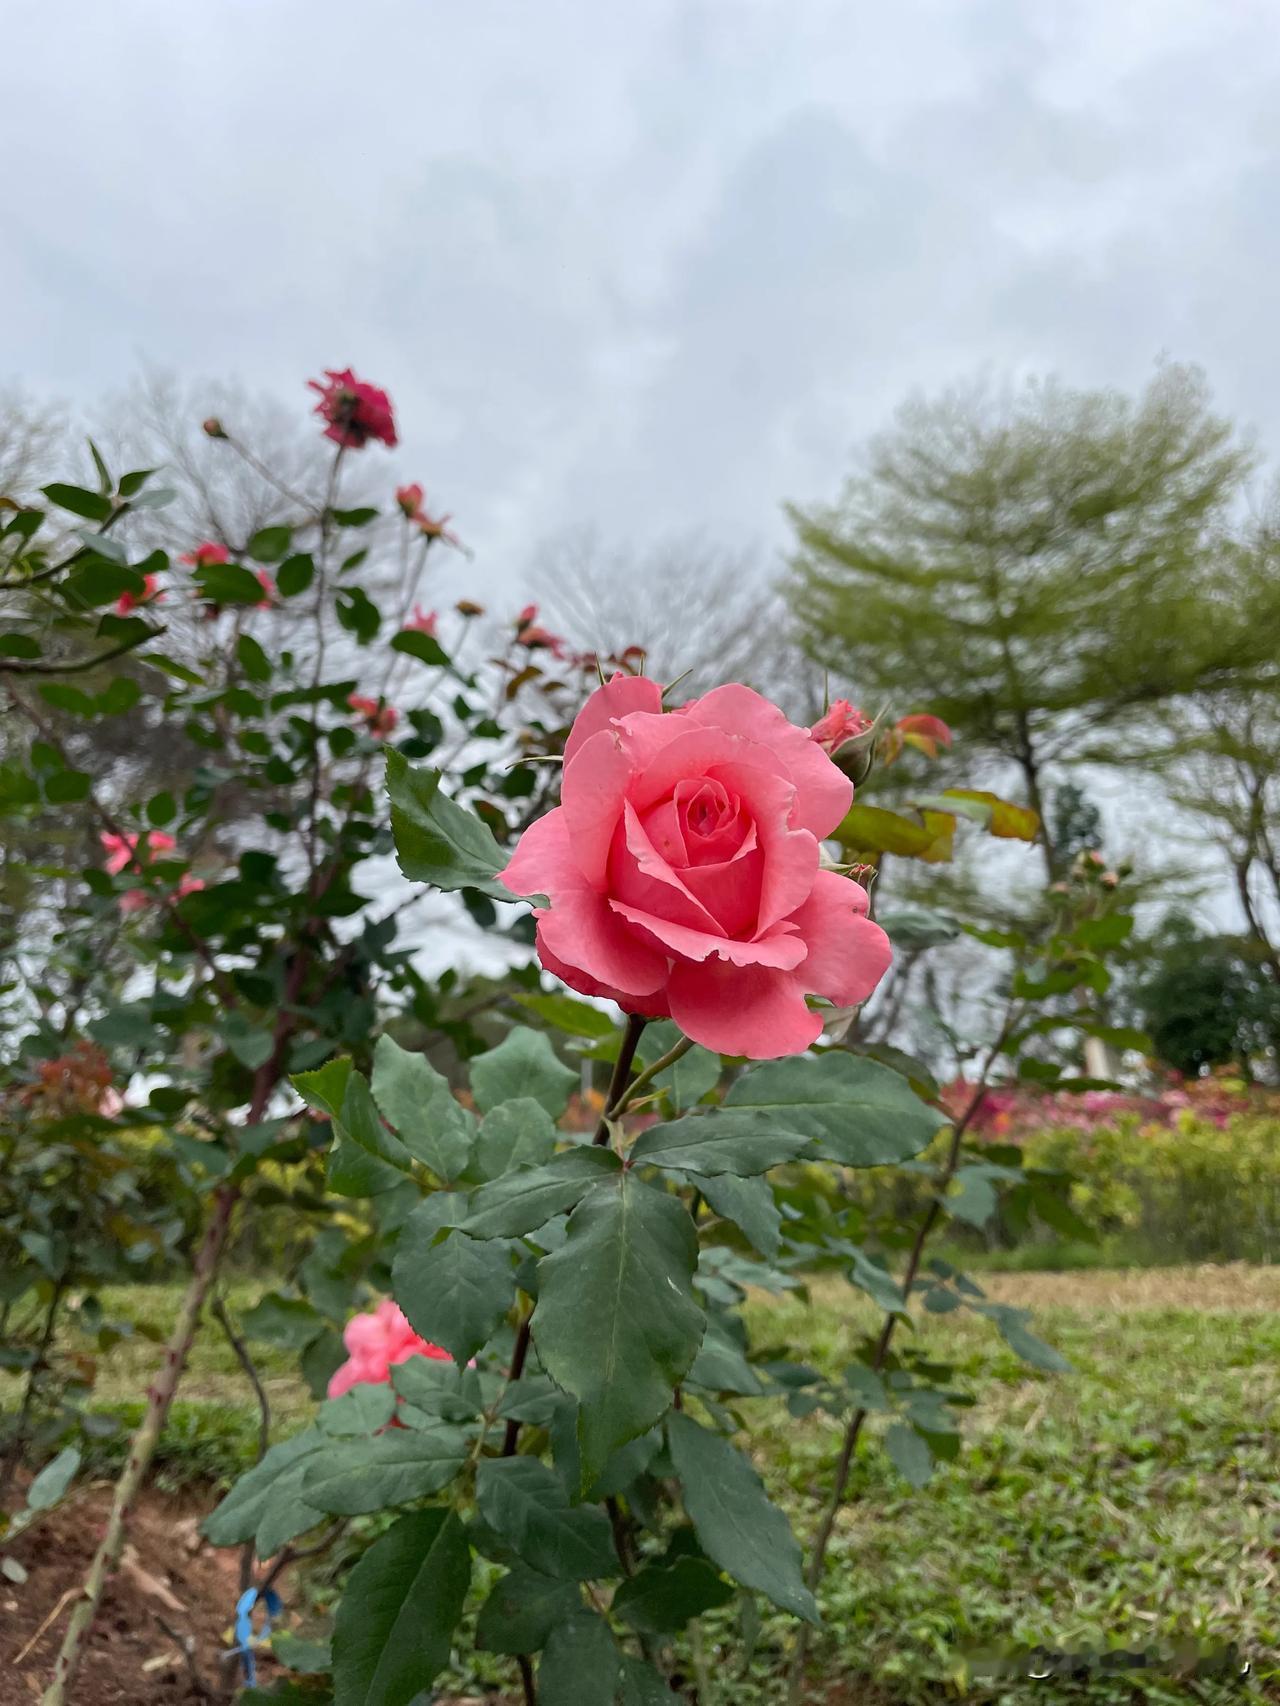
point(437, 841)
point(519, 1133)
point(360, 1476)
point(642, 1685)
point(251, 1044)
point(362, 1410)
point(267, 1503)
point(1108, 932)
point(133, 482)
point(749, 1538)
point(358, 614)
point(862, 1113)
point(454, 1293)
point(522, 1609)
point(94, 506)
point(914, 928)
point(228, 583)
point(909, 1454)
point(53, 1480)
point(1012, 1323)
point(721, 1365)
point(295, 575)
point(326, 1087)
point(310, 1658)
point(523, 1064)
point(416, 1099)
point(353, 1172)
point(878, 1283)
point(522, 1201)
point(415, 644)
point(289, 1322)
point(581, 1665)
point(72, 699)
point(525, 1502)
point(395, 1622)
point(749, 1204)
point(661, 1599)
point(17, 645)
point(361, 1120)
point(253, 660)
point(270, 545)
point(723, 1140)
point(566, 1013)
point(975, 1201)
point(617, 1324)
point(690, 1078)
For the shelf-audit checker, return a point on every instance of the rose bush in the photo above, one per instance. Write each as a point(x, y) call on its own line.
point(683, 868)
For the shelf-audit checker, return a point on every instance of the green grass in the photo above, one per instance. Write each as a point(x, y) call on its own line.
point(1132, 1502)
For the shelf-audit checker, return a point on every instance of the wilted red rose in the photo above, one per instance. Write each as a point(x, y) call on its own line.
point(355, 411)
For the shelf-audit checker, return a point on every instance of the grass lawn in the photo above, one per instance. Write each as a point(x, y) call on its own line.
point(1135, 1501)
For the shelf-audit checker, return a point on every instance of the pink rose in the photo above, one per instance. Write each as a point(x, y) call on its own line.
point(423, 621)
point(204, 555)
point(530, 634)
point(120, 849)
point(356, 412)
point(841, 723)
point(410, 499)
point(682, 867)
point(189, 884)
point(378, 719)
point(376, 1343)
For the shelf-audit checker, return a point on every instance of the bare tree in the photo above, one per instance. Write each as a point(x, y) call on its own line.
point(697, 609)
point(33, 441)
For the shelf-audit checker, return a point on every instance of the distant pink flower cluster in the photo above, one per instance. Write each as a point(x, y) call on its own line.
point(378, 719)
point(1009, 1114)
point(531, 634)
point(376, 1343)
point(354, 411)
point(128, 602)
point(123, 851)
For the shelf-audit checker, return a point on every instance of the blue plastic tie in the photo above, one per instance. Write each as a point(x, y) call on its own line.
point(244, 1631)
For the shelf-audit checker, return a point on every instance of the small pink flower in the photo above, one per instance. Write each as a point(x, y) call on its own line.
point(437, 527)
point(355, 411)
point(410, 500)
point(423, 621)
point(110, 1103)
point(205, 555)
point(841, 723)
point(269, 588)
point(120, 849)
point(150, 594)
point(190, 884)
point(530, 634)
point(376, 1343)
point(134, 900)
point(378, 719)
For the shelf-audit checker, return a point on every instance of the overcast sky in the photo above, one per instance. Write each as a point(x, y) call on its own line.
point(644, 264)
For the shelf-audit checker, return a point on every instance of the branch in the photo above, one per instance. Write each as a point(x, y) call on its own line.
point(43, 666)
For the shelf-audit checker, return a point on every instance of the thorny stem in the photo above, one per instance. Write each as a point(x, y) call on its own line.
point(616, 1099)
point(853, 1430)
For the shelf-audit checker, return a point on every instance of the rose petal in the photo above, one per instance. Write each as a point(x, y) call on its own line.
point(592, 793)
point(790, 855)
point(653, 1005)
point(848, 954)
point(823, 793)
point(731, 891)
point(639, 875)
point(753, 1011)
point(617, 698)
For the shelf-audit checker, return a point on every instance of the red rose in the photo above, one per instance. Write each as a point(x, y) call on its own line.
point(355, 412)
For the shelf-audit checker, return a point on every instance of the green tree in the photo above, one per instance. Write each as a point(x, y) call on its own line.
point(1041, 565)
point(1208, 1001)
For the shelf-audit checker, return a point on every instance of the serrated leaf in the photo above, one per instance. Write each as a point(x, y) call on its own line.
point(362, 1121)
point(862, 1113)
point(581, 1665)
point(395, 1622)
point(975, 1200)
point(359, 1476)
point(909, 1454)
point(362, 1410)
point(749, 1538)
point(749, 1204)
point(526, 1503)
point(523, 1064)
point(524, 1200)
point(519, 1133)
point(723, 1140)
point(661, 1599)
point(617, 1324)
point(429, 1120)
point(326, 1086)
point(522, 1609)
point(267, 1503)
point(566, 1013)
point(454, 1293)
point(438, 841)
